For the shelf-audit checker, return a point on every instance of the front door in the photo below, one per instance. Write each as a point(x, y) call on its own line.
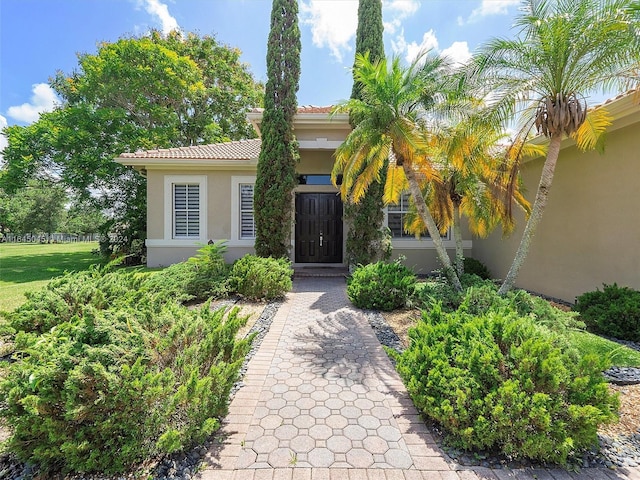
point(318, 228)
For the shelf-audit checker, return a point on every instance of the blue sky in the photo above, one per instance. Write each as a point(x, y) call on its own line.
point(40, 37)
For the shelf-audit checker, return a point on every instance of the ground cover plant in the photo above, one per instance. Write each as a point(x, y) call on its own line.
point(29, 266)
point(112, 368)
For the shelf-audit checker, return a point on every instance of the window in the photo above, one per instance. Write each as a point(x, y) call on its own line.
point(186, 210)
point(396, 215)
point(247, 222)
point(243, 225)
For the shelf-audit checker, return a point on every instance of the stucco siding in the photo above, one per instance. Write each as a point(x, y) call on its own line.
point(590, 231)
point(165, 256)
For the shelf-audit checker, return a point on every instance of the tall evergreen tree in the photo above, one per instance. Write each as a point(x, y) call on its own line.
point(276, 174)
point(365, 237)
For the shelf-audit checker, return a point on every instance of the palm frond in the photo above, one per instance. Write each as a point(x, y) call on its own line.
point(590, 135)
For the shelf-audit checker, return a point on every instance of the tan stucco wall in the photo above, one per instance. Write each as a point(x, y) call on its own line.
point(165, 256)
point(425, 261)
point(331, 134)
point(590, 231)
point(315, 162)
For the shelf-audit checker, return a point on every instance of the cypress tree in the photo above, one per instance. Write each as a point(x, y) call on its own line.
point(365, 238)
point(276, 173)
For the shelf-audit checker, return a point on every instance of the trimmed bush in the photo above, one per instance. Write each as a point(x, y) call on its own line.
point(476, 267)
point(256, 277)
point(499, 381)
point(442, 292)
point(111, 388)
point(381, 286)
point(614, 311)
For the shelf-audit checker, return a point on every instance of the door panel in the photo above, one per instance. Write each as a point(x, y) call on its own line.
point(318, 228)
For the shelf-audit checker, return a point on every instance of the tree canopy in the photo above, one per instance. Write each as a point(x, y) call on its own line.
point(137, 93)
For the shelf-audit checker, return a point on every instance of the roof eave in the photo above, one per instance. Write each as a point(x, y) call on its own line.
point(186, 163)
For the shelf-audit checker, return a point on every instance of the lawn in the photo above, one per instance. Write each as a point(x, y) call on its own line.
point(27, 266)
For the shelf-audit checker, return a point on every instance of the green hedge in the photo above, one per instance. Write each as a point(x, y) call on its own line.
point(381, 286)
point(256, 277)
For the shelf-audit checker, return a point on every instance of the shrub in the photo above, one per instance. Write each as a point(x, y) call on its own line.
point(257, 278)
point(442, 292)
point(111, 388)
point(498, 381)
point(614, 311)
point(476, 267)
point(202, 276)
point(381, 286)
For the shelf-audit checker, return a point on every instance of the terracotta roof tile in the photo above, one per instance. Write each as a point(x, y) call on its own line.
point(304, 109)
point(238, 150)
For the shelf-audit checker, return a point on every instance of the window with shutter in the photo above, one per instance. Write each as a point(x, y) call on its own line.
point(396, 213)
point(186, 210)
point(247, 222)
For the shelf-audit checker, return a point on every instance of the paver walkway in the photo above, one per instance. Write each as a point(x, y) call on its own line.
point(322, 401)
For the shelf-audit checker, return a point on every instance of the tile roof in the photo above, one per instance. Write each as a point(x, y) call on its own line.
point(238, 150)
point(304, 109)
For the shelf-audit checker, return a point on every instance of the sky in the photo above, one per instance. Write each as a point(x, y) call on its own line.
point(40, 37)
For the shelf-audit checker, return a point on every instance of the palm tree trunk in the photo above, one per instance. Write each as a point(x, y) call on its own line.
point(457, 236)
point(546, 178)
point(432, 228)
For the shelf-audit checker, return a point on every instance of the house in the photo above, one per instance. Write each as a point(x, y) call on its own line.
point(590, 230)
point(589, 233)
point(202, 193)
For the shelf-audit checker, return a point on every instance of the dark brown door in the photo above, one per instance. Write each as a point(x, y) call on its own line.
point(318, 228)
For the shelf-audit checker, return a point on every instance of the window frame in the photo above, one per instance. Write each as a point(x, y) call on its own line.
point(236, 211)
point(169, 213)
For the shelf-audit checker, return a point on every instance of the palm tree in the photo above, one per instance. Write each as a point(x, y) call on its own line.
point(565, 50)
point(470, 155)
point(395, 109)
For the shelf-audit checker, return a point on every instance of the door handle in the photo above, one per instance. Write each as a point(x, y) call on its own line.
point(320, 238)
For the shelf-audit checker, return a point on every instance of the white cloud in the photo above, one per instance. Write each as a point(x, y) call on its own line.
point(44, 99)
point(489, 7)
point(458, 53)
point(333, 24)
point(161, 12)
point(414, 49)
point(397, 11)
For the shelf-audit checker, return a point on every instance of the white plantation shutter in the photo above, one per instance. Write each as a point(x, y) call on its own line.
point(247, 223)
point(186, 210)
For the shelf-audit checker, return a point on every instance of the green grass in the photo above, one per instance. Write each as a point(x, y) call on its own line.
point(25, 267)
point(620, 355)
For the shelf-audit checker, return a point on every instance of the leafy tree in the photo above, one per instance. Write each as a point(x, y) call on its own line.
point(365, 236)
point(136, 93)
point(276, 173)
point(565, 49)
point(37, 208)
point(83, 218)
point(393, 111)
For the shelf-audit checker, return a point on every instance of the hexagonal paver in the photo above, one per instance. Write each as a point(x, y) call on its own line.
point(281, 457)
point(304, 421)
point(320, 457)
point(306, 388)
point(253, 433)
point(375, 445)
point(305, 403)
point(320, 412)
point(293, 382)
point(382, 413)
point(390, 434)
point(320, 432)
point(364, 404)
point(275, 403)
point(398, 458)
point(339, 444)
point(286, 432)
point(369, 422)
point(347, 396)
point(292, 395)
point(319, 382)
point(334, 403)
point(359, 458)
point(302, 443)
point(266, 444)
point(336, 421)
point(320, 395)
point(279, 388)
point(246, 458)
point(355, 432)
point(290, 411)
point(351, 412)
point(270, 422)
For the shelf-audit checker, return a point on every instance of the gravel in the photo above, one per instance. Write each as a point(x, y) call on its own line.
point(179, 466)
point(612, 451)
